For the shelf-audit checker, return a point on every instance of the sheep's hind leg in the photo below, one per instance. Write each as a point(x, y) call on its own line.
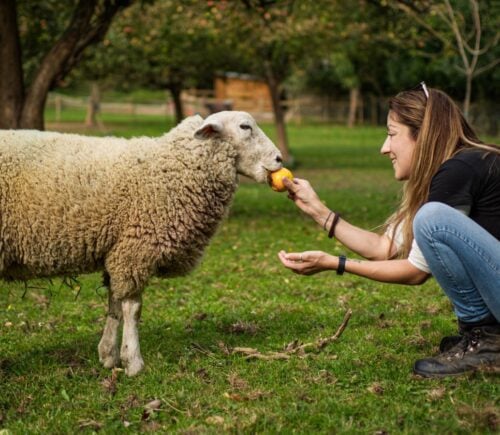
point(108, 348)
point(130, 351)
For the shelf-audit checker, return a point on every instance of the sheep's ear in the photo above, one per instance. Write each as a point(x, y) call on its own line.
point(208, 130)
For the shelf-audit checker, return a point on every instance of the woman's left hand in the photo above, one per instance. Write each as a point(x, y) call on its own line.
point(307, 262)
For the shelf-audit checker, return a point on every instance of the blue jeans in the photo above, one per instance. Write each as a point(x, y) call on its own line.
point(464, 259)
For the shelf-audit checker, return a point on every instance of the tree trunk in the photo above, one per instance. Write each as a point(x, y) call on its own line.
point(353, 106)
point(88, 25)
point(11, 76)
point(468, 92)
point(279, 115)
point(52, 65)
point(175, 91)
point(94, 106)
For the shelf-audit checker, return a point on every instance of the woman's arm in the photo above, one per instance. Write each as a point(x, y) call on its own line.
point(390, 271)
point(369, 245)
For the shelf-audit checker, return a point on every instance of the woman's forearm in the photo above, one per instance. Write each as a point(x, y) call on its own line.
point(389, 271)
point(365, 243)
point(369, 245)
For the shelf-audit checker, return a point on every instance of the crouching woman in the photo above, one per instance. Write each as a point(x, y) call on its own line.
point(447, 225)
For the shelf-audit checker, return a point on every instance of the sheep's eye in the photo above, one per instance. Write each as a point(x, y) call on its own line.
point(245, 127)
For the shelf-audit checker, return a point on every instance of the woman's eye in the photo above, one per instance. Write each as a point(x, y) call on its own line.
point(245, 127)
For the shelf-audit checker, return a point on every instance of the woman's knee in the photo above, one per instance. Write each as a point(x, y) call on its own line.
point(429, 214)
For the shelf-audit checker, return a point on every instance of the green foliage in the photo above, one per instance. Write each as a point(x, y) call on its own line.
point(40, 25)
point(51, 380)
point(323, 45)
point(160, 45)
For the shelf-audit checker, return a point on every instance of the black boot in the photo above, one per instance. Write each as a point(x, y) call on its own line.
point(448, 342)
point(479, 347)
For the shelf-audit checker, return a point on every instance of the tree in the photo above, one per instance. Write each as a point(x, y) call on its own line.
point(271, 37)
point(459, 29)
point(26, 76)
point(165, 45)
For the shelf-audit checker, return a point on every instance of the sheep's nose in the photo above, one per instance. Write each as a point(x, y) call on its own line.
point(279, 159)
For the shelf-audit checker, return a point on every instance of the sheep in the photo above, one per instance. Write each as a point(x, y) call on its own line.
point(133, 208)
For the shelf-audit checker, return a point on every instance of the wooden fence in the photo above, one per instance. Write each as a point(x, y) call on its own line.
point(371, 110)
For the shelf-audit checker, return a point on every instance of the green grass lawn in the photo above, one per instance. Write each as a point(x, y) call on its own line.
point(240, 296)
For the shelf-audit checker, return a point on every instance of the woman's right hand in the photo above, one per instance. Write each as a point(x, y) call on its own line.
point(304, 196)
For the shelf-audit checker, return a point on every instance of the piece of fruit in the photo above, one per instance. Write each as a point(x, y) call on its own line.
point(275, 179)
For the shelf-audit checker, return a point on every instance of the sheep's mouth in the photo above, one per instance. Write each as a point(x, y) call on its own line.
point(269, 178)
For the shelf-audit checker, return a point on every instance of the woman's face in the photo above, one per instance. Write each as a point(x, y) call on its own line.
point(399, 146)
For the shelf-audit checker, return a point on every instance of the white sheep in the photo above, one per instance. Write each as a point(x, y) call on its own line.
point(72, 204)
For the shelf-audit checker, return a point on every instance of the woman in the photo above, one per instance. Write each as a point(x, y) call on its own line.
point(447, 225)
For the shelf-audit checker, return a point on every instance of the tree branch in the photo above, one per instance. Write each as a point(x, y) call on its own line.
point(477, 28)
point(486, 67)
point(458, 35)
point(96, 32)
point(295, 348)
point(412, 13)
point(66, 52)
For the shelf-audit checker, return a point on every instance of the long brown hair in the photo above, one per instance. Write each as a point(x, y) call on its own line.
point(440, 131)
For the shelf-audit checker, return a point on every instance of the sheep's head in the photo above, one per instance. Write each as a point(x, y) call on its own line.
point(257, 155)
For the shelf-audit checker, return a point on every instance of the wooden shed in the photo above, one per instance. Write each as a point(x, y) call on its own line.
point(243, 92)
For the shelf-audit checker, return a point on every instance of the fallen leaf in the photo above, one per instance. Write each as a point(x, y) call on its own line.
point(243, 328)
point(109, 384)
point(215, 420)
point(153, 405)
point(234, 396)
point(150, 408)
point(257, 394)
point(376, 388)
point(202, 373)
point(200, 316)
point(236, 382)
point(436, 393)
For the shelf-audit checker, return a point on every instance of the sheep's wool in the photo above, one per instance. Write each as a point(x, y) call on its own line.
point(73, 204)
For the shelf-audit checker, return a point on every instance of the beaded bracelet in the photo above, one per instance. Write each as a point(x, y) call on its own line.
point(327, 219)
point(331, 233)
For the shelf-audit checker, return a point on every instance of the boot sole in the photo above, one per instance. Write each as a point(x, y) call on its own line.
point(443, 375)
point(486, 368)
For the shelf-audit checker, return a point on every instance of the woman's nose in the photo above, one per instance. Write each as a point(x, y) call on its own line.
point(385, 147)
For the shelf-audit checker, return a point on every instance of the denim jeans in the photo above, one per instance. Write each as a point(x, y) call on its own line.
point(464, 259)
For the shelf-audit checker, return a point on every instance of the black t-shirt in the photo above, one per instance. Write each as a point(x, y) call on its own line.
point(470, 181)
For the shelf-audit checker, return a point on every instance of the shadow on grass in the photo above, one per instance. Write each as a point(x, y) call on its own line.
point(203, 332)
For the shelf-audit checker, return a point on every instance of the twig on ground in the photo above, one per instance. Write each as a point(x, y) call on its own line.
point(295, 348)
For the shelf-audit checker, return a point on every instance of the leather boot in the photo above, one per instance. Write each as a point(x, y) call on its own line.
point(448, 342)
point(479, 347)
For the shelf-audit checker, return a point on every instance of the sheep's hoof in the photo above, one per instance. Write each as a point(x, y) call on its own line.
point(110, 361)
point(108, 355)
point(134, 367)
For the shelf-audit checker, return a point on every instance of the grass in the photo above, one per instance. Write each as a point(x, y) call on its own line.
point(51, 380)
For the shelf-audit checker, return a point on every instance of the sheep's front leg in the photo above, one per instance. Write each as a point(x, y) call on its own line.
point(130, 351)
point(108, 348)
